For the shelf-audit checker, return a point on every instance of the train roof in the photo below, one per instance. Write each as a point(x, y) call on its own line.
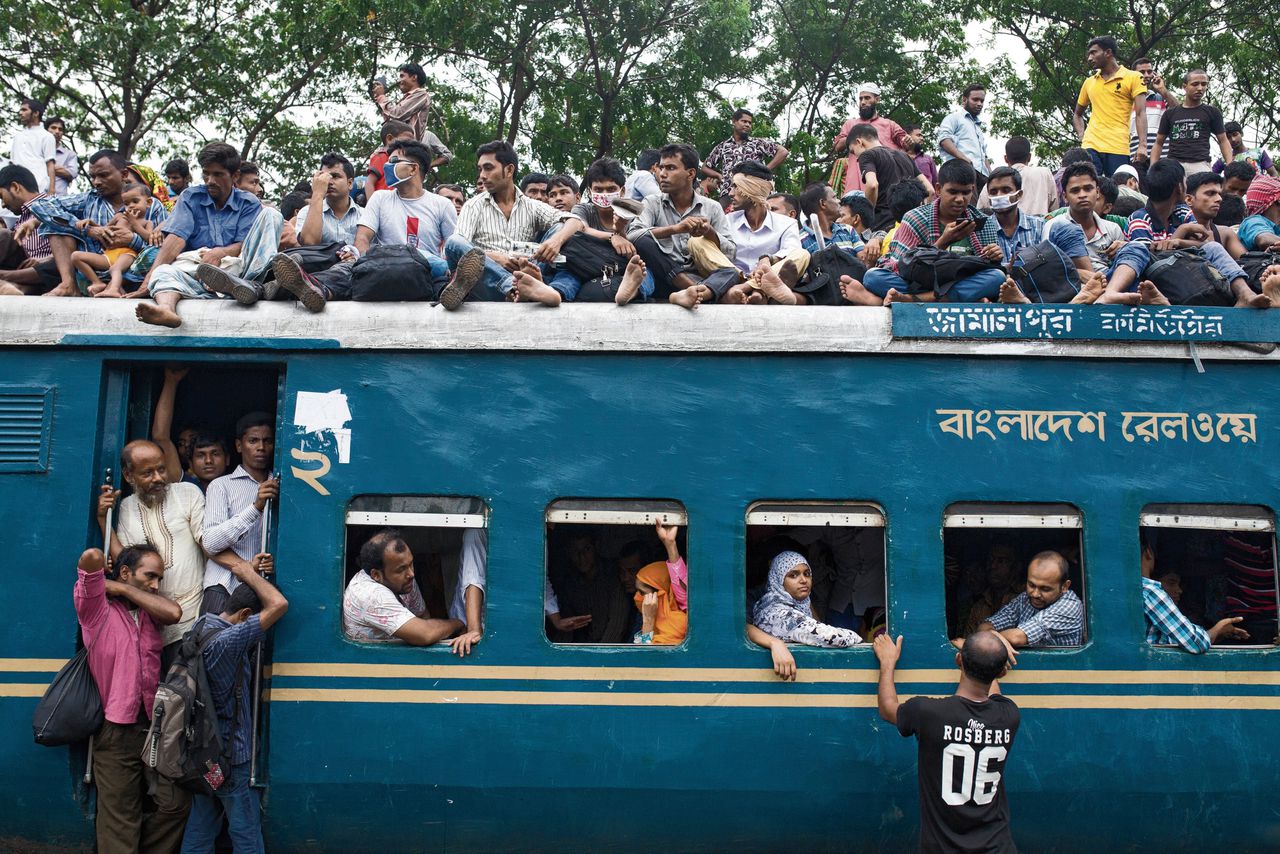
point(917, 329)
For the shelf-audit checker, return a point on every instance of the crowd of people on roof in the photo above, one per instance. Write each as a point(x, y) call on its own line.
point(1161, 203)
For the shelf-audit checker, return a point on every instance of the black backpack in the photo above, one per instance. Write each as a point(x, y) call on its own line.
point(929, 269)
point(1255, 264)
point(393, 273)
point(71, 708)
point(184, 743)
point(1045, 274)
point(313, 259)
point(593, 261)
point(1186, 278)
point(821, 283)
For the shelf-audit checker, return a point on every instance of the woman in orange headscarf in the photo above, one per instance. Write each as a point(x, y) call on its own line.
point(662, 620)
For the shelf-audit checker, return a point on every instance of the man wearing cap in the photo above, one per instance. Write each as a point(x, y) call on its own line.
point(1261, 229)
point(1128, 183)
point(890, 132)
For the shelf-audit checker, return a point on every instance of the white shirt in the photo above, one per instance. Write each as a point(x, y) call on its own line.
point(423, 223)
point(371, 612)
point(640, 184)
point(175, 527)
point(777, 235)
point(33, 148)
point(471, 570)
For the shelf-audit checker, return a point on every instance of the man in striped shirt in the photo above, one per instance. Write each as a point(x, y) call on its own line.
point(23, 247)
point(1166, 624)
point(508, 226)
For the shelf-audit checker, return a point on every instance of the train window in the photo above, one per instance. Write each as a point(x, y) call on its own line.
point(448, 544)
point(988, 552)
point(616, 572)
point(843, 545)
point(1217, 563)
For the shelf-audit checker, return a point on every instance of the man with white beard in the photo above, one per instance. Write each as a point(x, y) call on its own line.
point(169, 516)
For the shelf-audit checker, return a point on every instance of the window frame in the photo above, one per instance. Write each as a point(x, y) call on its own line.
point(403, 520)
point(585, 511)
point(1242, 518)
point(1036, 515)
point(856, 513)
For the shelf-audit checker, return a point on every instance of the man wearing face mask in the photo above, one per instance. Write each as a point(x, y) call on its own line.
point(961, 137)
point(1019, 230)
point(406, 214)
point(602, 243)
point(890, 132)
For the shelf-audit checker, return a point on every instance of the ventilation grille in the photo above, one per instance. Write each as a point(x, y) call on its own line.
point(25, 416)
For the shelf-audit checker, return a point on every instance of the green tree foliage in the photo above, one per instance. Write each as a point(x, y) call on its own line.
point(1237, 43)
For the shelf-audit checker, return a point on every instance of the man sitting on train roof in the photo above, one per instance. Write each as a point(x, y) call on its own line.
point(383, 602)
point(1047, 613)
point(212, 226)
point(1167, 224)
point(768, 252)
point(1166, 624)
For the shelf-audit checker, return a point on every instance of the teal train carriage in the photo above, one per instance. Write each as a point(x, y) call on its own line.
point(934, 433)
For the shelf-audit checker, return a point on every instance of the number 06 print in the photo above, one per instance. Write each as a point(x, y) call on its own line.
point(984, 780)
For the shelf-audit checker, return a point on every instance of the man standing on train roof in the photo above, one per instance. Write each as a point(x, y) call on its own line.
point(963, 746)
point(382, 600)
point(234, 507)
point(1047, 613)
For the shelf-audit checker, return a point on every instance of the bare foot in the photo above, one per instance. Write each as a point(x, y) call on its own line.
point(109, 292)
point(690, 297)
point(754, 297)
point(894, 296)
point(853, 291)
point(1011, 293)
point(1090, 290)
point(737, 295)
point(632, 278)
point(531, 269)
point(66, 289)
point(1149, 294)
point(97, 288)
point(1116, 298)
point(533, 290)
point(8, 290)
point(1271, 284)
point(774, 288)
point(158, 316)
point(789, 274)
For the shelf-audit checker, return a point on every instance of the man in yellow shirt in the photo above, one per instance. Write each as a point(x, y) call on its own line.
point(1112, 94)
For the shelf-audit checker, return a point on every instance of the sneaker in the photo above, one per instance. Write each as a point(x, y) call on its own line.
point(467, 275)
point(290, 277)
point(220, 281)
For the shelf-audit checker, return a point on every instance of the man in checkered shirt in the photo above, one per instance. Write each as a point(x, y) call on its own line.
point(1048, 613)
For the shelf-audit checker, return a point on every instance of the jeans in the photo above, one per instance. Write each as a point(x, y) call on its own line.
point(1107, 164)
point(1135, 256)
point(244, 816)
point(568, 285)
point(972, 289)
point(1217, 255)
point(497, 281)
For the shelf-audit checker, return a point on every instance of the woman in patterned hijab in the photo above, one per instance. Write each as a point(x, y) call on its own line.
point(784, 610)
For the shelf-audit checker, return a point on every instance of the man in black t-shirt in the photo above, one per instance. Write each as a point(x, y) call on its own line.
point(964, 742)
point(1189, 128)
point(882, 169)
